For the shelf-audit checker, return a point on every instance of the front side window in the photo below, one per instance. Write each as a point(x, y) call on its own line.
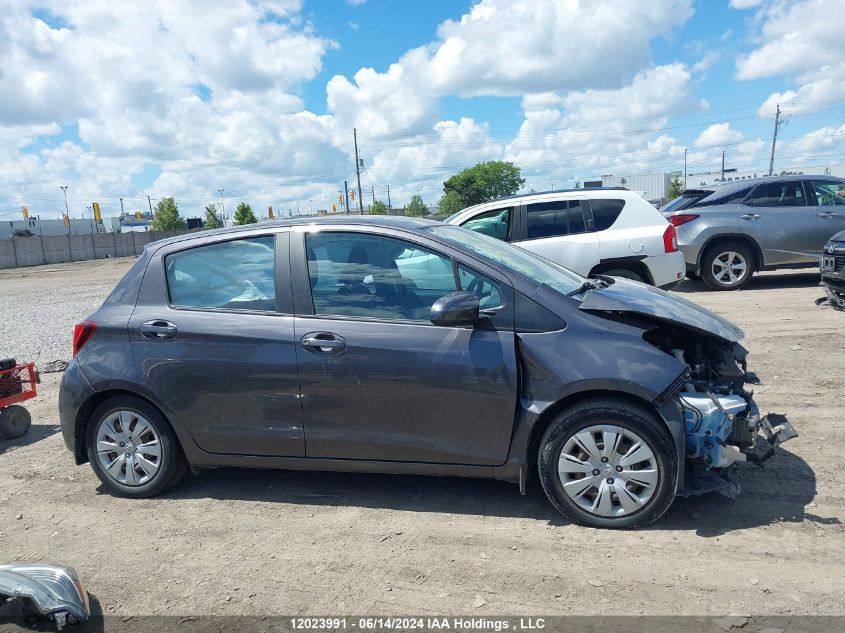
point(495, 223)
point(550, 219)
point(605, 212)
point(364, 275)
point(233, 275)
point(829, 193)
point(778, 194)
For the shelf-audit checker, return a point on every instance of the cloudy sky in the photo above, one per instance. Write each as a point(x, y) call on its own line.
point(259, 97)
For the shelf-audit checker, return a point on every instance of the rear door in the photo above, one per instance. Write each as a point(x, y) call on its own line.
point(379, 381)
point(212, 335)
point(828, 198)
point(559, 230)
point(778, 215)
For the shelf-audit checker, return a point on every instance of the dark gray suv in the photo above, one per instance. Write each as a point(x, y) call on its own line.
point(408, 346)
point(744, 226)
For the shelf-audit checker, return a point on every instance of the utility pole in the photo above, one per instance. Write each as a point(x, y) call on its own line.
point(389, 208)
point(373, 188)
point(685, 168)
point(149, 202)
point(723, 162)
point(67, 211)
point(222, 207)
point(346, 197)
point(358, 172)
point(774, 139)
point(121, 206)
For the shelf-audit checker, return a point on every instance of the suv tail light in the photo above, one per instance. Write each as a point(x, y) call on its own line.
point(82, 331)
point(670, 239)
point(681, 218)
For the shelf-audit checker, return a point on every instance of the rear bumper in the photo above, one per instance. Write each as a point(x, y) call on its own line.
point(74, 391)
point(666, 270)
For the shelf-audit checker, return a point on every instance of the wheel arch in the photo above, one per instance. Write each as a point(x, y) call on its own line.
point(83, 418)
point(741, 238)
point(635, 266)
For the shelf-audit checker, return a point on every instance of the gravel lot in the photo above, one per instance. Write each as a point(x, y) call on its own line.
point(250, 541)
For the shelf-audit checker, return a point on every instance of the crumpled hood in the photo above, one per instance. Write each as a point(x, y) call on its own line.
point(635, 298)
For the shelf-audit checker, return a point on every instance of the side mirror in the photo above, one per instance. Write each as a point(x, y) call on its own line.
point(458, 308)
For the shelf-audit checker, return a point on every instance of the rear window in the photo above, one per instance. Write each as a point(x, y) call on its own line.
point(684, 201)
point(605, 212)
point(735, 196)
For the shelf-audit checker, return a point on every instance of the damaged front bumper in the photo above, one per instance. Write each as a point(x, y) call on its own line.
point(722, 430)
point(53, 590)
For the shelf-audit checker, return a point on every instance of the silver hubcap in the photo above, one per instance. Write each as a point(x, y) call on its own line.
point(608, 470)
point(729, 268)
point(129, 448)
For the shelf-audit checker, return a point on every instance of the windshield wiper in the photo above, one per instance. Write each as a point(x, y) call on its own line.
point(599, 281)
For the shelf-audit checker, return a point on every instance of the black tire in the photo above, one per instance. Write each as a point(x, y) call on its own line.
point(619, 413)
point(722, 250)
point(625, 274)
point(173, 465)
point(14, 422)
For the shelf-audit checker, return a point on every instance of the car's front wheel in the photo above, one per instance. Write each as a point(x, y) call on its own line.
point(132, 448)
point(727, 266)
point(608, 463)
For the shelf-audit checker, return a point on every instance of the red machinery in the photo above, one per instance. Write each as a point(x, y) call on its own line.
point(17, 384)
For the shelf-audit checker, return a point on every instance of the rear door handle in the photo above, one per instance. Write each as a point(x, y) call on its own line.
point(158, 329)
point(323, 342)
point(750, 216)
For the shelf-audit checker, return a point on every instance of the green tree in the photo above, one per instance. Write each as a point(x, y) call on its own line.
point(451, 203)
point(378, 208)
point(244, 214)
point(416, 207)
point(212, 221)
point(676, 186)
point(485, 181)
point(166, 216)
point(577, 184)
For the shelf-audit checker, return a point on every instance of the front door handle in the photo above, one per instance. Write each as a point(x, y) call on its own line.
point(750, 216)
point(158, 330)
point(827, 215)
point(323, 342)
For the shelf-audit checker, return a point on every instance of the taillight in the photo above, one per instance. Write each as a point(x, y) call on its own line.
point(670, 239)
point(82, 331)
point(681, 218)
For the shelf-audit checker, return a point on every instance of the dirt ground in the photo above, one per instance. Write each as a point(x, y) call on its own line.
point(257, 542)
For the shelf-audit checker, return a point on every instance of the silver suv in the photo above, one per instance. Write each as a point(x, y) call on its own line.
point(728, 233)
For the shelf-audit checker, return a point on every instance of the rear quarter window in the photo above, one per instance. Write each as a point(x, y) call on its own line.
point(606, 212)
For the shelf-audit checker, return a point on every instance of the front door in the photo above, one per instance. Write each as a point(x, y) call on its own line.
point(779, 217)
point(829, 207)
point(379, 381)
point(212, 342)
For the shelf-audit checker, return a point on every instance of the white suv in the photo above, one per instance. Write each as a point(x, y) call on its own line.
point(614, 232)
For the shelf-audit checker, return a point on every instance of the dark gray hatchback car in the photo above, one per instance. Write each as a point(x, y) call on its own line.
point(408, 346)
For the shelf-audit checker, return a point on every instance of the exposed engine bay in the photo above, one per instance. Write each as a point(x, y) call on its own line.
point(722, 422)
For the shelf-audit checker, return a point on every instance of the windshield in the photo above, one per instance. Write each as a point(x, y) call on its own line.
point(511, 257)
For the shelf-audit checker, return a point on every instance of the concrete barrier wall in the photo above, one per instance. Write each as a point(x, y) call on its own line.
point(55, 249)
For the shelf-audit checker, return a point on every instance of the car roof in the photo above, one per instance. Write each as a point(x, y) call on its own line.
point(739, 184)
point(391, 221)
point(519, 196)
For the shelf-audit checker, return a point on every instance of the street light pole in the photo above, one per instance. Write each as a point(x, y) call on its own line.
point(222, 206)
point(67, 211)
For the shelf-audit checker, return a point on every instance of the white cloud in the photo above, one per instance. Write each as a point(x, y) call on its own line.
point(745, 4)
point(800, 39)
point(718, 134)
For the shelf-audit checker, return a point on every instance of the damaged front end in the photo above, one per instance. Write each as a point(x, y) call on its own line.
point(722, 423)
point(54, 591)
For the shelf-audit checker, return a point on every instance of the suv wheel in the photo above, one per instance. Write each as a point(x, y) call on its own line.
point(625, 274)
point(133, 449)
point(727, 266)
point(608, 463)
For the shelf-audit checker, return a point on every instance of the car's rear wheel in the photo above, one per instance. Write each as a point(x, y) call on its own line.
point(132, 448)
point(14, 422)
point(625, 274)
point(608, 463)
point(727, 266)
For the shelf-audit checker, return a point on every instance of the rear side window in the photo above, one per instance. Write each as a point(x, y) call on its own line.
point(829, 193)
point(778, 194)
point(606, 212)
point(234, 275)
point(550, 219)
point(495, 223)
